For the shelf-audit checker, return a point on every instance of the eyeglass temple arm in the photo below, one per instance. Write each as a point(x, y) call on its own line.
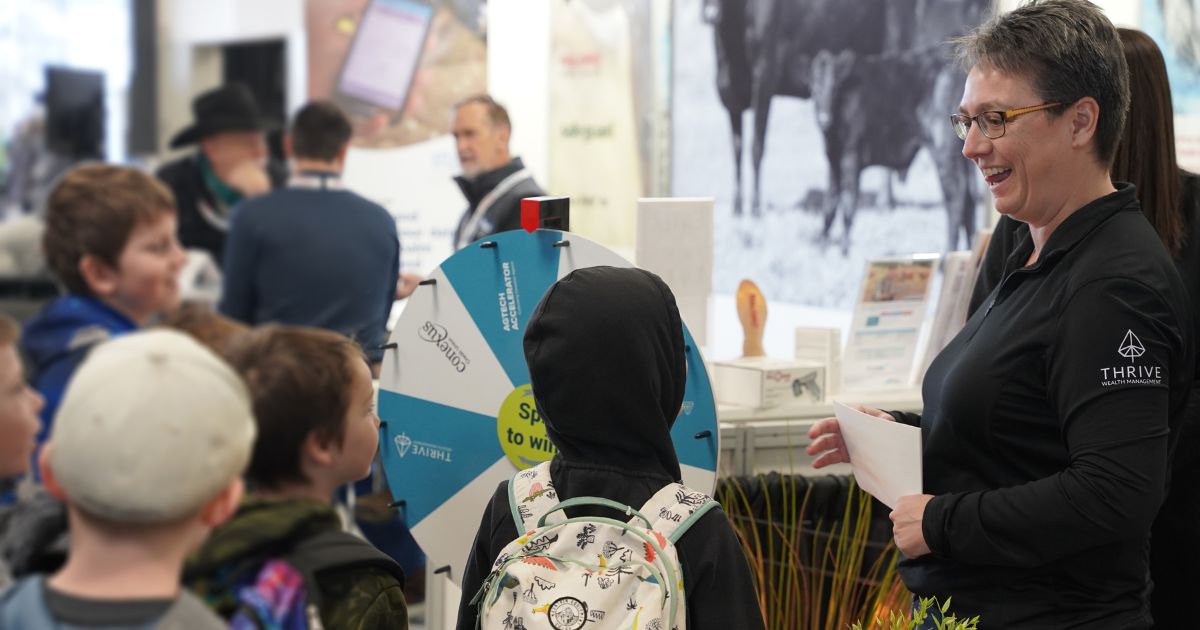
point(1013, 113)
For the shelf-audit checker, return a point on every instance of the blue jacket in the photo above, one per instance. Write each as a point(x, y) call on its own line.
point(322, 257)
point(56, 340)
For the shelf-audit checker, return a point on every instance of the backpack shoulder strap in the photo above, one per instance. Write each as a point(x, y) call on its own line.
point(530, 495)
point(337, 549)
point(675, 508)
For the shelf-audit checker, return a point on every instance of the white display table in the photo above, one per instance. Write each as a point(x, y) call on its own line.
point(773, 440)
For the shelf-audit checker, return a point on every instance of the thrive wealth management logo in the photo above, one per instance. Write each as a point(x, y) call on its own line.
point(438, 336)
point(1131, 348)
point(406, 445)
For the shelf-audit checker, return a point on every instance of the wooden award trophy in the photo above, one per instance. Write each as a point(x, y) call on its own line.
point(752, 312)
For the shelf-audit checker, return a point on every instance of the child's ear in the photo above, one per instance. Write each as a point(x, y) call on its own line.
point(319, 452)
point(100, 277)
point(223, 506)
point(49, 481)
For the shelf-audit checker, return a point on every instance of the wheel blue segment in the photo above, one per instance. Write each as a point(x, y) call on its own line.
point(430, 451)
point(699, 414)
point(501, 285)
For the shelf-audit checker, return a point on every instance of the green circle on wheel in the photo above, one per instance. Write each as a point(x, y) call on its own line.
point(521, 432)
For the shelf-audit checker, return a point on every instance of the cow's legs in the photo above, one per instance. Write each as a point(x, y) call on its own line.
point(832, 195)
point(968, 209)
point(735, 125)
point(766, 82)
point(890, 190)
point(848, 199)
point(954, 174)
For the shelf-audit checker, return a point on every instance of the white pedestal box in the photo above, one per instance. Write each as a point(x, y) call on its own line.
point(766, 382)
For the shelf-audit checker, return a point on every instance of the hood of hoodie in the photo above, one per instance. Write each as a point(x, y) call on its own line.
point(606, 362)
point(68, 324)
point(56, 340)
point(262, 528)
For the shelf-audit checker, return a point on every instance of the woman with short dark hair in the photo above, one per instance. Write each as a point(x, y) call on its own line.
point(1047, 419)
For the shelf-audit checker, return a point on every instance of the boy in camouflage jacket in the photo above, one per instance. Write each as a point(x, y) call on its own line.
point(318, 430)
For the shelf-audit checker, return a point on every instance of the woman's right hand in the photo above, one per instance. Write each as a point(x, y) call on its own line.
point(827, 441)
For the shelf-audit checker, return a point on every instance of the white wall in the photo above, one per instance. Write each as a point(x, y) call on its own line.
point(190, 33)
point(518, 75)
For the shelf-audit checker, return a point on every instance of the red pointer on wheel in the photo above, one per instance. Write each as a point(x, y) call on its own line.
point(550, 212)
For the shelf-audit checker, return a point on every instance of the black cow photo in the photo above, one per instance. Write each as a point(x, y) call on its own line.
point(822, 128)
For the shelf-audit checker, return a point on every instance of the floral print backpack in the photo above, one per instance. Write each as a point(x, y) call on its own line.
point(567, 573)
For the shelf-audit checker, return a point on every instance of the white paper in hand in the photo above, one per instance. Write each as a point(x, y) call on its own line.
point(885, 456)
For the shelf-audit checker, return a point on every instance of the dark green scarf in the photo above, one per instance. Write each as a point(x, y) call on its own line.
point(226, 194)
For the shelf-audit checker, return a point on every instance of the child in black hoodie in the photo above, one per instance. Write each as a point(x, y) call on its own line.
point(606, 361)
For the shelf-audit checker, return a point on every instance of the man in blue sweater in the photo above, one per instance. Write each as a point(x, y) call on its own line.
point(313, 253)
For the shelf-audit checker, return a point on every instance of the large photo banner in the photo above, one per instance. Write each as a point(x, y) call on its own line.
point(608, 110)
point(822, 129)
point(1175, 27)
point(398, 67)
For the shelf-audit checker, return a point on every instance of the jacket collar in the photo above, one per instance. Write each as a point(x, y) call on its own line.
point(1076, 227)
point(261, 525)
point(224, 193)
point(69, 323)
point(476, 188)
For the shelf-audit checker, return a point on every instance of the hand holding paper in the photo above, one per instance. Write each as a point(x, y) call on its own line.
point(885, 456)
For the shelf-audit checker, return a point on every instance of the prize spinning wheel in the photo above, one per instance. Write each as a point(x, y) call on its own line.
point(454, 397)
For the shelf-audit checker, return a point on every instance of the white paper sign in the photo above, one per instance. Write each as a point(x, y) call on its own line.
point(426, 215)
point(885, 456)
point(675, 241)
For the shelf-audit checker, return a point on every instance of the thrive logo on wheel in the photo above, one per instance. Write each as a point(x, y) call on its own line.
point(437, 335)
point(437, 452)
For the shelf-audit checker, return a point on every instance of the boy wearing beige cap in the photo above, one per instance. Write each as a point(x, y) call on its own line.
point(147, 452)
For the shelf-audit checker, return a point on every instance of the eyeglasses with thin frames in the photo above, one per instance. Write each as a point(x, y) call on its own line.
point(992, 123)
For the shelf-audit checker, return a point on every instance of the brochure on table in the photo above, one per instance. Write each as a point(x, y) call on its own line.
point(886, 330)
point(455, 401)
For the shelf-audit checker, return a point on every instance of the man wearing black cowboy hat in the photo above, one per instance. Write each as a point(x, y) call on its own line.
point(231, 165)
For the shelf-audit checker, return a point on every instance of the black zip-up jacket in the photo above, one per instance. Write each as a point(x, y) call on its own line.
point(186, 181)
point(505, 213)
point(1045, 429)
point(606, 361)
point(1175, 547)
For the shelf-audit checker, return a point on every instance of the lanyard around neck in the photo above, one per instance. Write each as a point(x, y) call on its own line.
point(505, 185)
point(317, 180)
